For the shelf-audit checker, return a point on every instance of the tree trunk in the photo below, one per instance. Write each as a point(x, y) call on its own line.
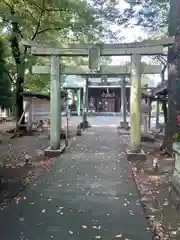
point(165, 111)
point(173, 76)
point(20, 65)
point(171, 126)
point(18, 96)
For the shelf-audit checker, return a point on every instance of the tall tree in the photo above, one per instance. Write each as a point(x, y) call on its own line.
point(5, 84)
point(173, 121)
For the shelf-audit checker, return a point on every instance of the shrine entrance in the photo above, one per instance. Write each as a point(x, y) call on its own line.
point(134, 69)
point(106, 102)
point(108, 99)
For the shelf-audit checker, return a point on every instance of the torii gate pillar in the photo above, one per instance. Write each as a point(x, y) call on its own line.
point(135, 102)
point(55, 104)
point(123, 99)
point(85, 104)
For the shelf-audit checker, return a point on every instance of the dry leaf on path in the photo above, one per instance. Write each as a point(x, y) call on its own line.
point(118, 236)
point(84, 226)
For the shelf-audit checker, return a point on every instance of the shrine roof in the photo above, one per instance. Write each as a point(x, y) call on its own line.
point(161, 89)
point(41, 95)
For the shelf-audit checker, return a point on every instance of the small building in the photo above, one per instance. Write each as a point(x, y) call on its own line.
point(38, 106)
point(104, 94)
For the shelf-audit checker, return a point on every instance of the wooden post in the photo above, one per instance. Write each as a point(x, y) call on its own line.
point(149, 115)
point(135, 102)
point(85, 103)
point(55, 104)
point(157, 114)
point(67, 120)
point(79, 102)
point(87, 94)
point(123, 99)
point(30, 112)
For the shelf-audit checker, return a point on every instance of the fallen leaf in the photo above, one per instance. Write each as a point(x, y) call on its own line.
point(166, 202)
point(84, 226)
point(38, 224)
point(97, 227)
point(21, 219)
point(82, 211)
point(118, 236)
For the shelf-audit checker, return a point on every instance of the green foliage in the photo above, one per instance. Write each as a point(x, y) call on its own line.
point(37, 83)
point(54, 22)
point(5, 83)
point(71, 20)
point(150, 14)
point(176, 137)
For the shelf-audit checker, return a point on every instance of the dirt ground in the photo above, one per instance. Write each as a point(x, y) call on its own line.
point(158, 198)
point(14, 173)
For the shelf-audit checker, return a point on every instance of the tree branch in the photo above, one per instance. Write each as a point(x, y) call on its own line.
point(56, 28)
point(13, 82)
point(56, 10)
point(162, 60)
point(164, 68)
point(39, 21)
point(48, 29)
point(163, 71)
point(7, 4)
point(34, 4)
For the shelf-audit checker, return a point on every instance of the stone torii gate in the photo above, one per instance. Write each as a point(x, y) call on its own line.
point(109, 71)
point(135, 50)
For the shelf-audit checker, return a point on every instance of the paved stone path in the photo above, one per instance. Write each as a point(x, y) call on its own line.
point(88, 194)
point(108, 120)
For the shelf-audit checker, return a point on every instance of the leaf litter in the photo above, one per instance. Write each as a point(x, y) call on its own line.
point(160, 206)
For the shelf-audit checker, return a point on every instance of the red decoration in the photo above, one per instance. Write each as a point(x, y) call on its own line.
point(178, 119)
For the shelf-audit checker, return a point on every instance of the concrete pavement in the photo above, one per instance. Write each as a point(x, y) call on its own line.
point(88, 194)
point(106, 120)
